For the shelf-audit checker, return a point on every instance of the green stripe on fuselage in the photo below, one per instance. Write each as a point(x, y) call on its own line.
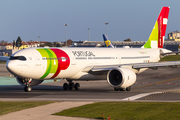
point(52, 62)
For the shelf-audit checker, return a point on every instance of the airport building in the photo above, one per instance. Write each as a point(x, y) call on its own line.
point(7, 49)
point(174, 36)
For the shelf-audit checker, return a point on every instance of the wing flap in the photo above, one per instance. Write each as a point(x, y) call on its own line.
point(156, 64)
point(104, 68)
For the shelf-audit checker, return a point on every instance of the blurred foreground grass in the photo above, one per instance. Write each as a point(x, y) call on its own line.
point(127, 111)
point(12, 106)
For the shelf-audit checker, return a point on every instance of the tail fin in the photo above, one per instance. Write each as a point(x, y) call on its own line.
point(107, 42)
point(157, 36)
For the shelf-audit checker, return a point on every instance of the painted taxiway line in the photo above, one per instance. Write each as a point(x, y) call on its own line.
point(135, 97)
point(159, 82)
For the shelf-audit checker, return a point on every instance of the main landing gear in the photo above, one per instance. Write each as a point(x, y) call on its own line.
point(71, 86)
point(122, 89)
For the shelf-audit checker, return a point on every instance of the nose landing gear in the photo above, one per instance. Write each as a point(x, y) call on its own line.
point(27, 87)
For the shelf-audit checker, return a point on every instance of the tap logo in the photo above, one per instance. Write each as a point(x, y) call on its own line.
point(83, 53)
point(57, 60)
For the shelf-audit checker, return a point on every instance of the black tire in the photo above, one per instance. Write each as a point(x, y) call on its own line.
point(122, 89)
point(77, 86)
point(65, 86)
point(128, 88)
point(27, 89)
point(71, 86)
point(116, 89)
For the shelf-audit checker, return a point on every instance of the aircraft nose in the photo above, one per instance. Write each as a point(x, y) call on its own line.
point(11, 66)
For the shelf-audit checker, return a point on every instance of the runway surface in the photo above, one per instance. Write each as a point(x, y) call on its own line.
point(151, 85)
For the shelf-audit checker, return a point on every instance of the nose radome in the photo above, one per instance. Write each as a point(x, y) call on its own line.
point(11, 67)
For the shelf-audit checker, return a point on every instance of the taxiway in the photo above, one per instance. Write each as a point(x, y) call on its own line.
point(152, 85)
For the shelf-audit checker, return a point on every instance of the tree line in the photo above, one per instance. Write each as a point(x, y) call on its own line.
point(18, 43)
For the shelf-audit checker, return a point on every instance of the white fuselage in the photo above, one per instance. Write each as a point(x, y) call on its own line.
point(51, 63)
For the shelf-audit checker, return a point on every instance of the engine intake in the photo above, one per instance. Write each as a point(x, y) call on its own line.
point(121, 77)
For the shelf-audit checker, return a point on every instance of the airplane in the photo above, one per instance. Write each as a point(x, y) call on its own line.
point(107, 42)
point(118, 66)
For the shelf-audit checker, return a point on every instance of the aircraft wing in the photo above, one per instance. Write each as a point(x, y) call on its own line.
point(153, 65)
point(175, 52)
point(4, 58)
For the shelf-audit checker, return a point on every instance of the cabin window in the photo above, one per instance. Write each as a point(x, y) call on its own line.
point(17, 58)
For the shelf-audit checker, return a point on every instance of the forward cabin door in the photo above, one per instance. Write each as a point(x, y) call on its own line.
point(37, 60)
point(72, 58)
point(119, 58)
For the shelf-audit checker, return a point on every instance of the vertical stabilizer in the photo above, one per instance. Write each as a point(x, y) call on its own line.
point(107, 42)
point(157, 36)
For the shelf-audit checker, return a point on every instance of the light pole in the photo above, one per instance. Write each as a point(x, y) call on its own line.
point(66, 33)
point(106, 28)
point(89, 33)
point(39, 40)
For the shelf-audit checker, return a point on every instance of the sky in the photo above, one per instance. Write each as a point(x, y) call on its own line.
point(46, 18)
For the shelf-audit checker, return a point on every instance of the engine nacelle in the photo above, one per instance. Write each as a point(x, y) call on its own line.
point(121, 77)
point(22, 81)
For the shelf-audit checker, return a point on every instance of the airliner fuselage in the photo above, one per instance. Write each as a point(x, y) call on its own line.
point(51, 63)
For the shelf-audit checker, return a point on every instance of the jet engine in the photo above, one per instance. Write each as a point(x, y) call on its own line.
point(23, 81)
point(121, 77)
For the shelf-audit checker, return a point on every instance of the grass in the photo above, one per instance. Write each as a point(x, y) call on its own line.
point(171, 58)
point(8, 106)
point(126, 111)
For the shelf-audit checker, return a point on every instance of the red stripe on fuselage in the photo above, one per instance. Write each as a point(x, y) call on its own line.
point(62, 65)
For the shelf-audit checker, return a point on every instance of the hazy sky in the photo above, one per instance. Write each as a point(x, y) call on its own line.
point(46, 18)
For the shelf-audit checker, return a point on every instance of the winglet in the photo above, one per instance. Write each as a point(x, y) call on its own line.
point(107, 42)
point(157, 36)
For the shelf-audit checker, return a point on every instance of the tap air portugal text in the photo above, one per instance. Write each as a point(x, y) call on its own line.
point(118, 66)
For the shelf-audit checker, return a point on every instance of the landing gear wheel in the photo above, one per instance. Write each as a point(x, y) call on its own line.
point(128, 88)
point(27, 89)
point(122, 89)
point(116, 89)
point(65, 86)
point(71, 86)
point(77, 86)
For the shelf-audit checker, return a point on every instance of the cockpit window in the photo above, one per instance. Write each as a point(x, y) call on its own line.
point(17, 58)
